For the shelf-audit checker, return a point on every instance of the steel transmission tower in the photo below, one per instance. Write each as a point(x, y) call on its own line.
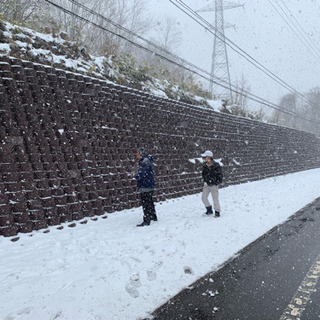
point(219, 65)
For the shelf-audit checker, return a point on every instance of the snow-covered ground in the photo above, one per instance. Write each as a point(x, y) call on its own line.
point(109, 269)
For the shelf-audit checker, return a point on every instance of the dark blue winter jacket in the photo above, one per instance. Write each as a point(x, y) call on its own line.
point(145, 174)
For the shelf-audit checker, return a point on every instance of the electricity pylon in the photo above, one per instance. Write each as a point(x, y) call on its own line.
point(220, 65)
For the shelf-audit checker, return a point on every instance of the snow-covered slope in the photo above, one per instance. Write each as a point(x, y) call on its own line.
point(57, 51)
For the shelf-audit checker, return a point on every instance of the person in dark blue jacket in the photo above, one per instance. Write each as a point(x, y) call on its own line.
point(146, 184)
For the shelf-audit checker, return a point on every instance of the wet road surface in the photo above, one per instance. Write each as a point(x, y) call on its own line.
point(274, 278)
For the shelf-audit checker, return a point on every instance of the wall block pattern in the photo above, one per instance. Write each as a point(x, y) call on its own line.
point(67, 143)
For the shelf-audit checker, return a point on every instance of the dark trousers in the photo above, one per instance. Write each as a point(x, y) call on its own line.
point(147, 205)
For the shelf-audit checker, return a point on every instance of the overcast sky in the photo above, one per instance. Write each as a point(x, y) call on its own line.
point(263, 34)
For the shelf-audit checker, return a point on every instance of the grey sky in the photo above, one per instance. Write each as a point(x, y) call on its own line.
point(262, 33)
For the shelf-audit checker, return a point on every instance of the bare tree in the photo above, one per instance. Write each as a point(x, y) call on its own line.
point(123, 14)
point(306, 114)
point(99, 37)
point(288, 104)
point(169, 36)
point(19, 11)
point(314, 109)
point(239, 98)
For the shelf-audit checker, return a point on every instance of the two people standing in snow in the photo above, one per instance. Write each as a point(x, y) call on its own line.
point(145, 184)
point(212, 176)
point(211, 173)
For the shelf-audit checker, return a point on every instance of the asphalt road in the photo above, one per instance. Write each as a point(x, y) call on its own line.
point(275, 278)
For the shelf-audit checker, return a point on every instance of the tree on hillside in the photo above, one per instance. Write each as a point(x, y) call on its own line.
point(239, 97)
point(123, 13)
point(168, 34)
point(314, 109)
point(21, 11)
point(41, 15)
point(239, 103)
point(167, 39)
point(306, 115)
point(287, 103)
point(44, 17)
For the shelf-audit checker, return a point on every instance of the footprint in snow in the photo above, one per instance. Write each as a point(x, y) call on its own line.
point(133, 293)
point(135, 280)
point(133, 284)
point(188, 270)
point(151, 275)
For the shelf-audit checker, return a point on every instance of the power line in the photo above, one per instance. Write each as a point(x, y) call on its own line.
point(191, 67)
point(303, 32)
point(307, 36)
point(309, 45)
point(204, 23)
point(248, 95)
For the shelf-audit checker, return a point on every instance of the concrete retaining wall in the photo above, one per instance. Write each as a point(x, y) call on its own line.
point(67, 143)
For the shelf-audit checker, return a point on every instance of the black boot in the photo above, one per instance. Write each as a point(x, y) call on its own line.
point(146, 222)
point(216, 214)
point(209, 210)
point(154, 217)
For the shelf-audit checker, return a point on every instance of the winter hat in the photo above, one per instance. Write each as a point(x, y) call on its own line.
point(207, 153)
point(143, 152)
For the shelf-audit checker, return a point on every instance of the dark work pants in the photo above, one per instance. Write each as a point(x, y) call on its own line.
point(147, 205)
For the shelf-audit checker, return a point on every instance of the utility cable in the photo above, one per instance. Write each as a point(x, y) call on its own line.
point(298, 23)
point(302, 31)
point(294, 29)
point(197, 18)
point(248, 95)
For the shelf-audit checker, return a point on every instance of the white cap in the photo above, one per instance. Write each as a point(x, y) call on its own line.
point(207, 154)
